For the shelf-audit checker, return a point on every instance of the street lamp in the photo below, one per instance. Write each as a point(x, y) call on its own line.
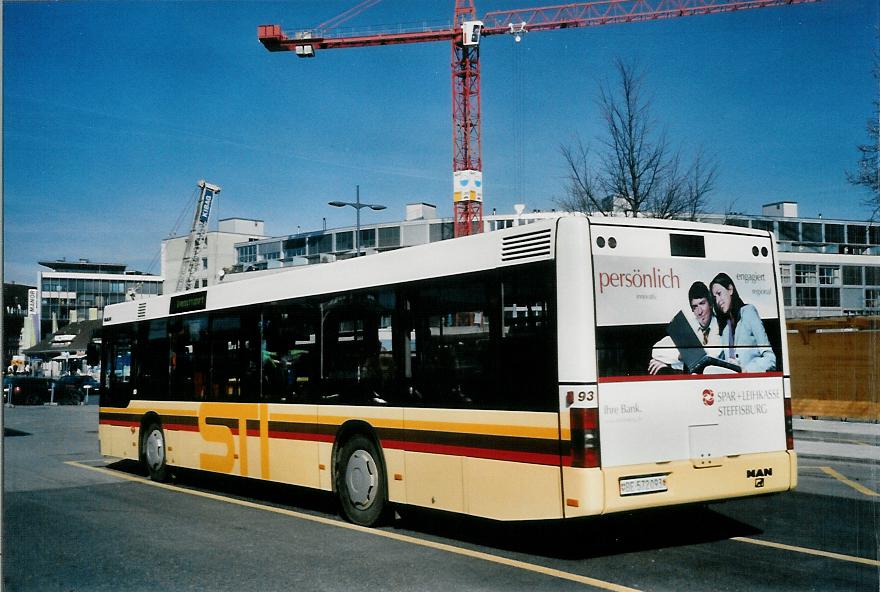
point(357, 205)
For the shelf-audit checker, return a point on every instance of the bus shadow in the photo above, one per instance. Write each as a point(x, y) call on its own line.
point(583, 538)
point(280, 495)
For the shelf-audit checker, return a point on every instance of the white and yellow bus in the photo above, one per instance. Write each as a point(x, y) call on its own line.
point(529, 373)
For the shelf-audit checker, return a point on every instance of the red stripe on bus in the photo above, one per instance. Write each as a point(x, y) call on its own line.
point(487, 453)
point(295, 436)
point(178, 427)
point(446, 449)
point(119, 422)
point(649, 378)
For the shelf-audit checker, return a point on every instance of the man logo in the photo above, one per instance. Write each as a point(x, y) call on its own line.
point(708, 397)
point(758, 475)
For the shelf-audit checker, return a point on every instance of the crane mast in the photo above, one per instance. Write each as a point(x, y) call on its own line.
point(465, 34)
point(197, 238)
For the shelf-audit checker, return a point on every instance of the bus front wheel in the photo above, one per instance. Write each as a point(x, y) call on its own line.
point(360, 481)
point(153, 453)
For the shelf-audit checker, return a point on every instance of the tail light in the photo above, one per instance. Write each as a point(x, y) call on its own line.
point(584, 437)
point(789, 431)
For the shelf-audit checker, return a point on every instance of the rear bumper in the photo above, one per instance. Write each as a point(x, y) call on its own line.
point(592, 491)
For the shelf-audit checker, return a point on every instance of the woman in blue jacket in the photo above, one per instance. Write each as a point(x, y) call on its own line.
point(743, 337)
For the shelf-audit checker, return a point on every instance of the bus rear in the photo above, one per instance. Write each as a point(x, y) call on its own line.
point(692, 396)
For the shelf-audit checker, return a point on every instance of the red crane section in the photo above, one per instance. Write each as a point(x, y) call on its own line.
point(464, 35)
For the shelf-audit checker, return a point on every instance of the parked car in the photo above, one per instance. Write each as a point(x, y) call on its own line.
point(26, 390)
point(71, 390)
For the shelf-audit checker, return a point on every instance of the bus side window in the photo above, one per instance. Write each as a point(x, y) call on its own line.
point(357, 348)
point(528, 346)
point(190, 360)
point(454, 362)
point(117, 374)
point(288, 352)
point(151, 370)
point(235, 355)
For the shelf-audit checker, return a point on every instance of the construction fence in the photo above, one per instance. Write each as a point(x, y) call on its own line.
point(835, 367)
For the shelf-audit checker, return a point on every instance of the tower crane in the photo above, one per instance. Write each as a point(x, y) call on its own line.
point(197, 238)
point(465, 35)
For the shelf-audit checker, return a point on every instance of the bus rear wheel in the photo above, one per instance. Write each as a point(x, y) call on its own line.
point(360, 481)
point(153, 453)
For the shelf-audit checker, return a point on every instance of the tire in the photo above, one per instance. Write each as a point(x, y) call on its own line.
point(361, 486)
point(68, 398)
point(153, 455)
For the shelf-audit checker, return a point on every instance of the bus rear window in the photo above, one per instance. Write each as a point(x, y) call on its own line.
point(687, 245)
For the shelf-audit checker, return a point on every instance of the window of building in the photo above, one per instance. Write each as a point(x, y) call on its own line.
point(204, 263)
point(786, 296)
point(294, 247)
point(834, 233)
point(440, 231)
point(345, 241)
point(763, 225)
point(829, 297)
point(872, 276)
point(322, 243)
point(368, 238)
point(872, 298)
point(852, 275)
point(785, 274)
point(829, 275)
point(811, 232)
point(856, 234)
point(789, 231)
point(806, 297)
point(805, 274)
point(874, 235)
point(389, 236)
point(247, 254)
point(742, 222)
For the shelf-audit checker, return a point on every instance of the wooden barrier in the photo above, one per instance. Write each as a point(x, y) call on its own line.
point(835, 367)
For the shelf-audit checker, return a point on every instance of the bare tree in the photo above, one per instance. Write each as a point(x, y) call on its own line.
point(868, 174)
point(583, 192)
point(635, 169)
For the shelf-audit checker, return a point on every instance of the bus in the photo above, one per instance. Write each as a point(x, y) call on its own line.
point(546, 371)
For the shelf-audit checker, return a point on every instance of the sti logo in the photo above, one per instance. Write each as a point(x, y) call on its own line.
point(708, 397)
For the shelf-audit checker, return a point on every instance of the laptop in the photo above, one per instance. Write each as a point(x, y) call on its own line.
point(690, 349)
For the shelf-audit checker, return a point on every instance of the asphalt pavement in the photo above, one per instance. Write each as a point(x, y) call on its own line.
point(840, 440)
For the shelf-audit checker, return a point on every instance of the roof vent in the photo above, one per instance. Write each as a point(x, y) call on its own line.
point(142, 310)
point(529, 245)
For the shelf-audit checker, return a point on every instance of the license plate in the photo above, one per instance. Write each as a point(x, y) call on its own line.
point(637, 485)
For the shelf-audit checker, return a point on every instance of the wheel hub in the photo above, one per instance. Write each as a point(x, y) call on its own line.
point(155, 449)
point(360, 477)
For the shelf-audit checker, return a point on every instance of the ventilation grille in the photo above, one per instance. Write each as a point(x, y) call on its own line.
point(526, 246)
point(142, 310)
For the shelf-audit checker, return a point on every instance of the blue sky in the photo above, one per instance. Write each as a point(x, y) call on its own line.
point(112, 111)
